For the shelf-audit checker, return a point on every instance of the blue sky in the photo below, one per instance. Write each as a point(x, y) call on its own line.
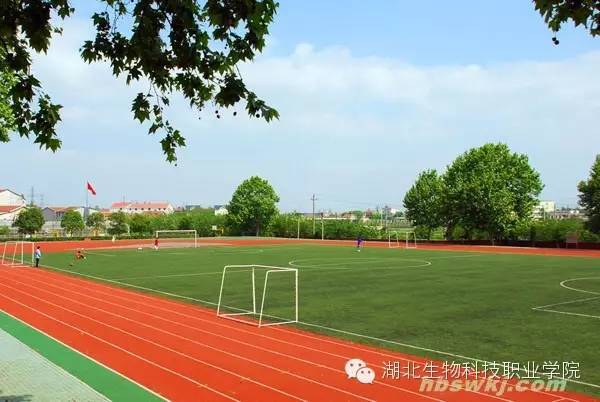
point(368, 98)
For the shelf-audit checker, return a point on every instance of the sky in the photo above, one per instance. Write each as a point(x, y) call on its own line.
point(368, 98)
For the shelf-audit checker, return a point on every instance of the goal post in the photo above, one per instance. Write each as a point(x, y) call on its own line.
point(18, 252)
point(393, 240)
point(178, 238)
point(410, 239)
point(256, 312)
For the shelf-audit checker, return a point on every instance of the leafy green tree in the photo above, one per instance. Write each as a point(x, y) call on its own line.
point(96, 221)
point(7, 120)
point(72, 222)
point(4, 230)
point(423, 202)
point(29, 220)
point(188, 47)
point(119, 223)
point(589, 197)
point(141, 223)
point(579, 12)
point(490, 189)
point(252, 206)
point(358, 214)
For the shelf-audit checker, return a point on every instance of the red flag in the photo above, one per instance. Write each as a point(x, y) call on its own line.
point(90, 188)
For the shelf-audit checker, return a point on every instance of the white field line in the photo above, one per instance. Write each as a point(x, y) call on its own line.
point(353, 261)
point(357, 347)
point(235, 356)
point(168, 276)
point(156, 344)
point(118, 347)
point(567, 313)
point(196, 329)
point(99, 254)
point(546, 308)
point(423, 264)
point(457, 256)
point(344, 358)
point(304, 335)
point(315, 325)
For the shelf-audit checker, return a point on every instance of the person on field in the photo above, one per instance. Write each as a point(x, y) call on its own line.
point(79, 255)
point(359, 242)
point(38, 256)
point(156, 243)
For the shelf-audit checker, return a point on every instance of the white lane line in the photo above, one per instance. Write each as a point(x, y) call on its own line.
point(117, 347)
point(155, 344)
point(303, 323)
point(177, 335)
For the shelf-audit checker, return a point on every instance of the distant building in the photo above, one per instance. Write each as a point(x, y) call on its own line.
point(53, 215)
point(220, 210)
point(567, 213)
point(543, 209)
point(11, 205)
point(57, 213)
point(146, 207)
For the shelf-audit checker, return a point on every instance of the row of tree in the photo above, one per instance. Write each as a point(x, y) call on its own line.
point(488, 192)
point(251, 210)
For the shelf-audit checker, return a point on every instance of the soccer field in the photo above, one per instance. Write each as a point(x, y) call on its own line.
point(444, 305)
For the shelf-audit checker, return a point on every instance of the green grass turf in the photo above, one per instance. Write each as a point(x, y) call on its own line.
point(472, 304)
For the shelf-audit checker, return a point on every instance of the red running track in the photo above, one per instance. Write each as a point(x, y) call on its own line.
point(185, 353)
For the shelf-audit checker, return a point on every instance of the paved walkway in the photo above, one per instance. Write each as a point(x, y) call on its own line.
point(27, 376)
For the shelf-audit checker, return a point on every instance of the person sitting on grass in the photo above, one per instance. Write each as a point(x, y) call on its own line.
point(78, 256)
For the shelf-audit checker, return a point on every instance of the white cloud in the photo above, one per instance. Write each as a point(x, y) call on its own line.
point(381, 120)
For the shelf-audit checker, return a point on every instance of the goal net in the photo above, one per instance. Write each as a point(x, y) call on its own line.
point(15, 253)
point(393, 240)
point(410, 239)
point(243, 299)
point(177, 238)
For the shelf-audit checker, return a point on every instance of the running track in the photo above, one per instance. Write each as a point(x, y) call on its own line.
point(185, 353)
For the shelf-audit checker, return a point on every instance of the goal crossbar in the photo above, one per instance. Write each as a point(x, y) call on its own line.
point(157, 234)
point(17, 258)
point(269, 270)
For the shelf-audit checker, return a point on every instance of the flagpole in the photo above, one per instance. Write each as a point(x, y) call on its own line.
point(87, 203)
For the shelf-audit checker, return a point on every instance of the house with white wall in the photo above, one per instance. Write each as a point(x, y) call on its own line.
point(220, 210)
point(11, 205)
point(145, 207)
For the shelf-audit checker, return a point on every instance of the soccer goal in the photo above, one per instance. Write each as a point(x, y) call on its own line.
point(410, 239)
point(17, 253)
point(177, 238)
point(239, 301)
point(393, 240)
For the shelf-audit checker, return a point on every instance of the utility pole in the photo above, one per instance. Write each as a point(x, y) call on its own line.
point(322, 226)
point(313, 199)
point(31, 200)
